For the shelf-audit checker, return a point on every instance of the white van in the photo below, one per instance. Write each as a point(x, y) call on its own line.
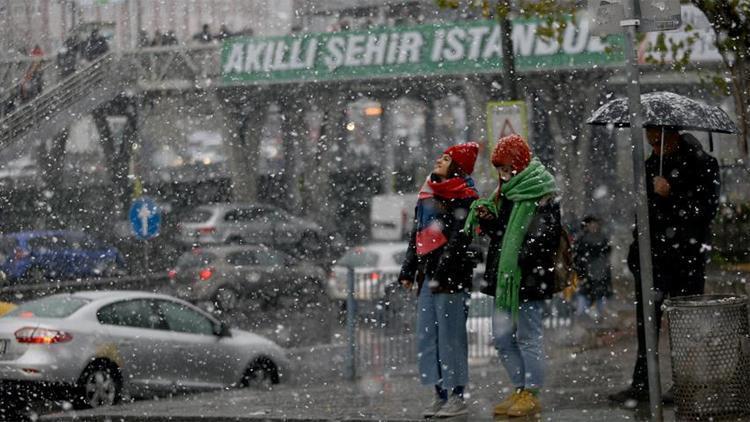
point(392, 216)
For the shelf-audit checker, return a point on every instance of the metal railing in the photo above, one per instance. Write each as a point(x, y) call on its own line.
point(59, 98)
point(381, 321)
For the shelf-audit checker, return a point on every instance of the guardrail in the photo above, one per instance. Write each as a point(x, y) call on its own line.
point(22, 292)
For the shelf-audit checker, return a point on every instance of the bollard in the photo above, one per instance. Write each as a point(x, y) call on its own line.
point(351, 315)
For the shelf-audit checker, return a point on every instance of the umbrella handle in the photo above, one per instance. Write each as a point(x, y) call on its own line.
point(661, 154)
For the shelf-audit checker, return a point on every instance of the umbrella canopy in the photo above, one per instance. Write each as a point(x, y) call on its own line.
point(666, 109)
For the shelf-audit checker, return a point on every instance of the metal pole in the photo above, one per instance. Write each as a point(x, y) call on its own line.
point(145, 257)
point(351, 314)
point(644, 233)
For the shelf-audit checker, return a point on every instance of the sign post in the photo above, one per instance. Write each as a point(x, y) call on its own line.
point(145, 219)
point(503, 118)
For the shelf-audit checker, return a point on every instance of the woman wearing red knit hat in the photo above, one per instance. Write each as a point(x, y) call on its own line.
point(437, 260)
point(522, 220)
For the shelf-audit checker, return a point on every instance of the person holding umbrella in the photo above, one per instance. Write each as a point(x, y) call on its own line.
point(682, 195)
point(683, 187)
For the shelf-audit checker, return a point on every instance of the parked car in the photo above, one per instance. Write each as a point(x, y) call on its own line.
point(35, 256)
point(95, 347)
point(221, 277)
point(250, 224)
point(376, 265)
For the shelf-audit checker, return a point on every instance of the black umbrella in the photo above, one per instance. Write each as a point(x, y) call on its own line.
point(666, 110)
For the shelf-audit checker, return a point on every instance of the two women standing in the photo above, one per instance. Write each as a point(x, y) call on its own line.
point(522, 220)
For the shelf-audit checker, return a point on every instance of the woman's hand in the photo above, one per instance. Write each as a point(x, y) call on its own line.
point(408, 284)
point(483, 213)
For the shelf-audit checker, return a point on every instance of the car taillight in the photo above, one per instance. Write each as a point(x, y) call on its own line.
point(35, 335)
point(172, 274)
point(20, 253)
point(205, 274)
point(207, 230)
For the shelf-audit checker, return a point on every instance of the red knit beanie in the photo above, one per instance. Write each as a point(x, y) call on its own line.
point(464, 155)
point(513, 150)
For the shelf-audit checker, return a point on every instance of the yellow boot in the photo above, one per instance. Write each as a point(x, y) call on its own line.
point(527, 404)
point(502, 408)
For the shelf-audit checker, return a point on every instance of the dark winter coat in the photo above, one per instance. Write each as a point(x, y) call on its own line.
point(592, 264)
point(450, 265)
point(680, 223)
point(537, 255)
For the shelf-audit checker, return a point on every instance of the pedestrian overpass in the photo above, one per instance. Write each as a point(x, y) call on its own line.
point(241, 79)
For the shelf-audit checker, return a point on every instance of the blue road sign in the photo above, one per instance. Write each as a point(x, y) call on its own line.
point(145, 217)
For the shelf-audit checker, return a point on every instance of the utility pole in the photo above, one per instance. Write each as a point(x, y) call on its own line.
point(509, 59)
point(631, 23)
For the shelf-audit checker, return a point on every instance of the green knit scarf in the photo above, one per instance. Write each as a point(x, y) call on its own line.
point(523, 190)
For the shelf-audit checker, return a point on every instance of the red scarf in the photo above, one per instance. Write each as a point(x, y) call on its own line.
point(453, 188)
point(430, 234)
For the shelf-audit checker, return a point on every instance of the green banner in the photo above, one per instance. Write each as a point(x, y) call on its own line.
point(463, 47)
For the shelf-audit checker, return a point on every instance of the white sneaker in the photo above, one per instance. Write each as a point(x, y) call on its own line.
point(434, 407)
point(455, 406)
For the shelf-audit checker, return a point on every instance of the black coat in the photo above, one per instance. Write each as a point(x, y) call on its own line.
point(681, 222)
point(592, 264)
point(450, 265)
point(537, 255)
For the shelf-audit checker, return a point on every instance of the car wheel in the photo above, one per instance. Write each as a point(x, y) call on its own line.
point(227, 299)
point(35, 275)
point(261, 374)
point(99, 386)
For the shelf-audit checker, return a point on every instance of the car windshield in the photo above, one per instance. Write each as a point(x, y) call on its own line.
point(359, 257)
point(197, 216)
point(49, 307)
point(196, 259)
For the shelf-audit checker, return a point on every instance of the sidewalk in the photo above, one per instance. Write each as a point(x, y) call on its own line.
point(577, 385)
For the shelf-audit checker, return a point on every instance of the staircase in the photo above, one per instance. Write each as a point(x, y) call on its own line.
point(59, 106)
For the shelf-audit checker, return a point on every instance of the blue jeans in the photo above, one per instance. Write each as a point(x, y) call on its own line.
point(519, 344)
point(443, 352)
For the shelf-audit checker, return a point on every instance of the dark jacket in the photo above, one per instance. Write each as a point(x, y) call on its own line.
point(537, 254)
point(592, 264)
point(449, 265)
point(680, 223)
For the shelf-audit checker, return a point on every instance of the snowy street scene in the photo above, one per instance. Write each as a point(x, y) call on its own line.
point(374, 210)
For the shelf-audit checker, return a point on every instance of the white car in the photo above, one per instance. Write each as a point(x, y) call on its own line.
point(95, 347)
point(375, 266)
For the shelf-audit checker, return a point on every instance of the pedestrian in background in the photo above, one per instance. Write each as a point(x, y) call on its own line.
point(95, 46)
point(522, 220)
point(68, 56)
point(205, 35)
point(591, 252)
point(682, 188)
point(437, 260)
